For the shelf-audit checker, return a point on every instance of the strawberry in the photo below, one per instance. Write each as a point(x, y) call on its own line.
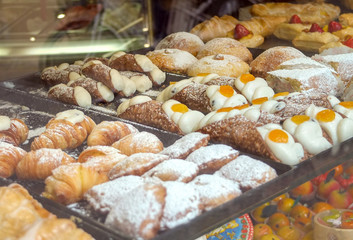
point(240, 31)
point(348, 42)
point(295, 19)
point(334, 26)
point(315, 28)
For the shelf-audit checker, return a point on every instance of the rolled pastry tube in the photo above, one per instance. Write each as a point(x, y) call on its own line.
point(73, 95)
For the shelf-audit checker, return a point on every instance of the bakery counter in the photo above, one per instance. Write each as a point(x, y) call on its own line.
point(24, 98)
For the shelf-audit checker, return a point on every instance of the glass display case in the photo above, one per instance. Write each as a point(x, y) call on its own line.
point(38, 34)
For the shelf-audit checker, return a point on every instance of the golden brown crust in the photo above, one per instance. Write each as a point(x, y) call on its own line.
point(69, 182)
point(225, 46)
point(139, 142)
point(107, 132)
point(40, 163)
point(320, 13)
point(151, 114)
point(214, 28)
point(263, 26)
point(271, 58)
point(10, 156)
point(16, 134)
point(312, 41)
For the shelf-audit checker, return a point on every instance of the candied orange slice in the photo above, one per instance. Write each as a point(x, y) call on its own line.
point(247, 77)
point(226, 91)
point(240, 107)
point(299, 119)
point(280, 94)
point(179, 107)
point(260, 100)
point(278, 136)
point(202, 74)
point(326, 115)
point(226, 109)
point(348, 104)
point(171, 83)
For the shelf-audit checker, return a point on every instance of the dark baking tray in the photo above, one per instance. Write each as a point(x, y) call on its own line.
point(17, 93)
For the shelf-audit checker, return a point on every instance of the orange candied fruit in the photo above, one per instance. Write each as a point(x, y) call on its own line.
point(240, 107)
point(326, 115)
point(278, 136)
point(226, 109)
point(247, 77)
point(226, 91)
point(202, 74)
point(171, 83)
point(299, 119)
point(260, 100)
point(280, 94)
point(348, 104)
point(179, 107)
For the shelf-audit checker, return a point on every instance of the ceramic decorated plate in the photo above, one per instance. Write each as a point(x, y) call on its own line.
point(238, 229)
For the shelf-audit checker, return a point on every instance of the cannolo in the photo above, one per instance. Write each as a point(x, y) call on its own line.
point(344, 108)
point(171, 116)
point(141, 80)
point(122, 61)
point(250, 112)
point(308, 133)
point(73, 95)
point(60, 74)
point(110, 77)
point(253, 88)
point(266, 140)
point(285, 104)
point(202, 97)
point(99, 92)
point(213, 79)
point(338, 128)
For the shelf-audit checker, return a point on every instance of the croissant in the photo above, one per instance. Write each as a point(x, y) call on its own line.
point(69, 182)
point(38, 164)
point(216, 27)
point(13, 131)
point(9, 158)
point(101, 158)
point(108, 132)
point(56, 228)
point(18, 210)
point(68, 129)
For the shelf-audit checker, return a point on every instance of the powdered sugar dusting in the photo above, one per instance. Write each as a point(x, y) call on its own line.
point(178, 59)
point(181, 204)
point(182, 39)
point(211, 153)
point(185, 145)
point(248, 172)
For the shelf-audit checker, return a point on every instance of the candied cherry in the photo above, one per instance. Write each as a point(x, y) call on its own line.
point(334, 26)
point(295, 19)
point(240, 31)
point(348, 42)
point(315, 28)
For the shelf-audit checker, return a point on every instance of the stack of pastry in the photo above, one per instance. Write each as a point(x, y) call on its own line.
point(100, 79)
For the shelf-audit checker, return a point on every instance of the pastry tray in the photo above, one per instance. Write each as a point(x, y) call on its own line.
point(23, 97)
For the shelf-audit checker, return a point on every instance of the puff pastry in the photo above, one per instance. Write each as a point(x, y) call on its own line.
point(13, 131)
point(68, 129)
point(9, 158)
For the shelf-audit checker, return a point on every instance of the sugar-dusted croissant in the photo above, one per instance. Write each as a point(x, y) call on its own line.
point(13, 131)
point(69, 182)
point(39, 164)
point(18, 211)
point(68, 129)
point(108, 132)
point(56, 228)
point(101, 158)
point(9, 158)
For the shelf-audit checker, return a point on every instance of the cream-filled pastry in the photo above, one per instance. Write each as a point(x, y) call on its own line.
point(307, 132)
point(344, 108)
point(185, 118)
point(172, 89)
point(224, 96)
point(338, 128)
point(133, 101)
point(282, 144)
point(253, 88)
